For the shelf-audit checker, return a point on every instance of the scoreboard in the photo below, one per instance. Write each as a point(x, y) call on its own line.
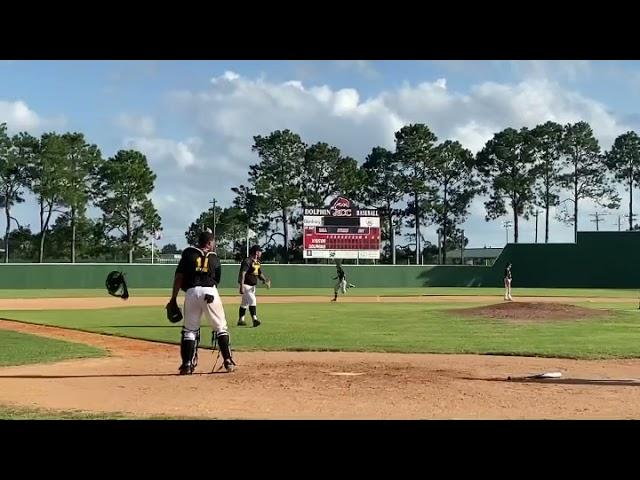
point(341, 231)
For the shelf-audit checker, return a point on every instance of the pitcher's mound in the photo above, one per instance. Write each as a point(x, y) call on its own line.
point(528, 311)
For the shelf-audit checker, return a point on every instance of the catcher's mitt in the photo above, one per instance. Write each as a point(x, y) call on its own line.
point(174, 315)
point(116, 285)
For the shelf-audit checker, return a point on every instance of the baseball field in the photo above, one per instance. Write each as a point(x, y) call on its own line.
point(374, 354)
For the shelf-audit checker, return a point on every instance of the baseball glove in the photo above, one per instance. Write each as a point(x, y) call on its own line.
point(116, 285)
point(267, 283)
point(174, 315)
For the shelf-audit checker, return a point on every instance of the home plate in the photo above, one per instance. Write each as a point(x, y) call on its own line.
point(540, 375)
point(547, 375)
point(345, 374)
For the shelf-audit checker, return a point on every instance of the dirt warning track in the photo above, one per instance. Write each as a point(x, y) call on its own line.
point(111, 302)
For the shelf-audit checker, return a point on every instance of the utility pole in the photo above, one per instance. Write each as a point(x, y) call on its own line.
point(537, 213)
point(597, 219)
point(214, 218)
point(462, 249)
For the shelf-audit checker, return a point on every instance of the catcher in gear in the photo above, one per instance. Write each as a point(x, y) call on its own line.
point(117, 285)
point(250, 273)
point(198, 275)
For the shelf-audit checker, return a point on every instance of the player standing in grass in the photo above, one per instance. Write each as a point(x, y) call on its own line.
point(507, 282)
point(250, 273)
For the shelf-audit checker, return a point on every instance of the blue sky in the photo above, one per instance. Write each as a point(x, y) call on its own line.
point(195, 119)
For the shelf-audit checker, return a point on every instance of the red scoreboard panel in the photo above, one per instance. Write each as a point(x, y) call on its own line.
point(345, 232)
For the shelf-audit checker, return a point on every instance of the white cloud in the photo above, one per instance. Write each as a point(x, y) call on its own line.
point(490, 106)
point(229, 76)
point(224, 117)
point(20, 117)
point(143, 125)
point(160, 151)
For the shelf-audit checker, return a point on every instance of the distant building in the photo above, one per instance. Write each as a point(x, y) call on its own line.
point(474, 256)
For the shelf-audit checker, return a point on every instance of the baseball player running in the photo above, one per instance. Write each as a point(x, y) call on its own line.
point(198, 274)
point(507, 282)
point(342, 284)
point(250, 273)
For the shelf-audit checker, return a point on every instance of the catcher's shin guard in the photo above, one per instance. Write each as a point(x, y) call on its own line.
point(189, 348)
point(225, 349)
point(195, 352)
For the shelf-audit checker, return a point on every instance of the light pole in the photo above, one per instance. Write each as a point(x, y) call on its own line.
point(507, 224)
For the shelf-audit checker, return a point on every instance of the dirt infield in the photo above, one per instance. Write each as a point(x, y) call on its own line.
point(139, 379)
point(111, 302)
point(527, 312)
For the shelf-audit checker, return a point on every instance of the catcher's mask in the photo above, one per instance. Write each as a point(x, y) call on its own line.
point(116, 285)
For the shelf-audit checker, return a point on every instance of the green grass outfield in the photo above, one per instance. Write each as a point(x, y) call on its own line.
point(21, 349)
point(361, 292)
point(378, 327)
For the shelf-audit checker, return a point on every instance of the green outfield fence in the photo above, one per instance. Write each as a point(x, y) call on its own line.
point(597, 260)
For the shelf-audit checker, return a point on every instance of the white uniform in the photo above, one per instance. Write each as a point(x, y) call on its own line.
point(252, 269)
point(507, 284)
point(201, 272)
point(195, 306)
point(249, 296)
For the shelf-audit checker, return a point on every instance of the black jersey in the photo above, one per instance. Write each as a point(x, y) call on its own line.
point(507, 273)
point(200, 269)
point(341, 274)
point(252, 270)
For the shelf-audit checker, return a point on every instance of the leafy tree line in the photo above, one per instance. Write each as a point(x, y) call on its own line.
point(425, 183)
point(67, 175)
